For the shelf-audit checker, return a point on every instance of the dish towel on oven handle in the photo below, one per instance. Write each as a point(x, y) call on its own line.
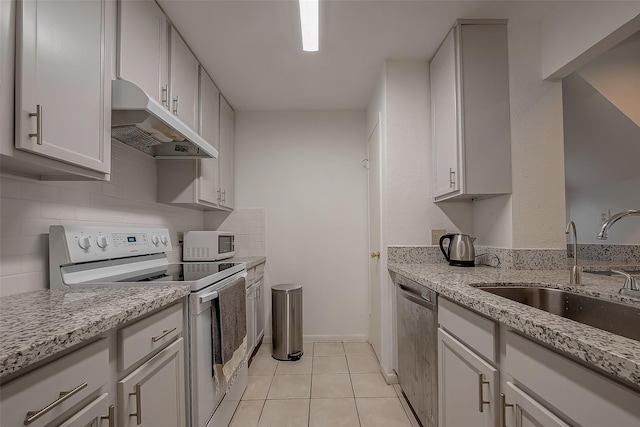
point(229, 333)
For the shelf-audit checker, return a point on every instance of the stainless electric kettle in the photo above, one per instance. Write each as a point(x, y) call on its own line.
point(460, 252)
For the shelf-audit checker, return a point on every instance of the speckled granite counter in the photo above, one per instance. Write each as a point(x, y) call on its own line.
point(616, 355)
point(36, 325)
point(251, 261)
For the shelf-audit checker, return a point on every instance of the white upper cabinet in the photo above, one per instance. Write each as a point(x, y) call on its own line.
point(184, 81)
point(143, 47)
point(470, 112)
point(227, 135)
point(63, 91)
point(208, 187)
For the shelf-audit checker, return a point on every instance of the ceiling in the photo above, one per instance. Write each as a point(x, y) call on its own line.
point(252, 49)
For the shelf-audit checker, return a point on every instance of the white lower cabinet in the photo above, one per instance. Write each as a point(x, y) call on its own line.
point(525, 411)
point(539, 386)
point(95, 414)
point(153, 394)
point(259, 310)
point(251, 320)
point(49, 392)
point(78, 389)
point(467, 386)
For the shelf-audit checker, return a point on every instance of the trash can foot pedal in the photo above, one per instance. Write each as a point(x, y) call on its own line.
point(295, 356)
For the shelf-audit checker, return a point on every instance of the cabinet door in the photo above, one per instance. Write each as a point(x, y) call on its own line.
point(465, 381)
point(210, 130)
point(63, 99)
point(98, 413)
point(143, 47)
point(522, 410)
point(260, 310)
point(227, 130)
point(444, 111)
point(251, 320)
point(184, 81)
point(153, 394)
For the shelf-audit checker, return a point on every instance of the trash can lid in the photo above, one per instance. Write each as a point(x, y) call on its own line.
point(287, 288)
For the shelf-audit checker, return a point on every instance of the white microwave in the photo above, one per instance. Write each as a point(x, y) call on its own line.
point(207, 245)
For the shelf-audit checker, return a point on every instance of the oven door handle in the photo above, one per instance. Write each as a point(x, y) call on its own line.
point(208, 297)
point(214, 294)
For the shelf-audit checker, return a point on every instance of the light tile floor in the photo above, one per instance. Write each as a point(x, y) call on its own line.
point(334, 384)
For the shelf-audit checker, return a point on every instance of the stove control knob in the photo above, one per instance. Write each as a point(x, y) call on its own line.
point(164, 239)
point(155, 240)
point(102, 242)
point(84, 242)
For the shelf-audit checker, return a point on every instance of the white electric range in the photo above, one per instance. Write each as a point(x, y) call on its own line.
point(86, 256)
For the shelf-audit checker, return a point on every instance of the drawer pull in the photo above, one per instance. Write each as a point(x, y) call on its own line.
point(505, 405)
point(138, 413)
point(64, 395)
point(481, 401)
point(164, 334)
point(111, 417)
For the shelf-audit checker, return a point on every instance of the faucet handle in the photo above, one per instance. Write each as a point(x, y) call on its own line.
point(630, 282)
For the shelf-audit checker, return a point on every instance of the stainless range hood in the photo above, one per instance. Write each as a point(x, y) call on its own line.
point(141, 122)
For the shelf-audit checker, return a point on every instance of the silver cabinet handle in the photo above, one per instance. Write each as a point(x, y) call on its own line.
point(481, 401)
point(224, 197)
point(138, 396)
point(452, 178)
point(176, 103)
point(164, 334)
point(165, 95)
point(111, 417)
point(505, 405)
point(64, 395)
point(38, 116)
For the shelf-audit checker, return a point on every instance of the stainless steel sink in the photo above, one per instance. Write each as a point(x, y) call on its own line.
point(618, 318)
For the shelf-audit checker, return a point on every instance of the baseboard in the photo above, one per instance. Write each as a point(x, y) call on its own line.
point(325, 338)
point(389, 377)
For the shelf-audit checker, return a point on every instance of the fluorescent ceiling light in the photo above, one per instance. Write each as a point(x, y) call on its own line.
point(309, 24)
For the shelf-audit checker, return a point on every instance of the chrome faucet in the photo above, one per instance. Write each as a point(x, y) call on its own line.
point(630, 287)
point(576, 272)
point(602, 235)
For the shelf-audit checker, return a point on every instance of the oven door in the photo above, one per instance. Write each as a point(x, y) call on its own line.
point(204, 399)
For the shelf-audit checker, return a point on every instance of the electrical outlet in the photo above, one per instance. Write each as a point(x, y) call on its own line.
point(436, 233)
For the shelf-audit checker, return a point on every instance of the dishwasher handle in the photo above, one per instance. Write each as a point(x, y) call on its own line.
point(424, 299)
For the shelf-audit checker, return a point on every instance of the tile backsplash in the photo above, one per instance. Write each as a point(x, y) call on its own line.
point(29, 207)
point(249, 228)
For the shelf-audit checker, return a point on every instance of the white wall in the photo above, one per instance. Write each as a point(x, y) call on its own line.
point(537, 152)
point(602, 152)
point(575, 32)
point(305, 170)
point(28, 208)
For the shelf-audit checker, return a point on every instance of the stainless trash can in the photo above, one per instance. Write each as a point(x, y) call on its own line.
point(286, 321)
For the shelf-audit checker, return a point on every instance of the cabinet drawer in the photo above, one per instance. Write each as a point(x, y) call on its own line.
point(474, 330)
point(143, 337)
point(582, 395)
point(251, 277)
point(259, 272)
point(82, 373)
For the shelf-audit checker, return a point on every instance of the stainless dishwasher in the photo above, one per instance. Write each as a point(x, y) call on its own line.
point(418, 348)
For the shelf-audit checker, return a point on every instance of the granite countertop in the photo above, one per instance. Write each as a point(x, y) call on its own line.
point(36, 325)
point(614, 354)
point(251, 261)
